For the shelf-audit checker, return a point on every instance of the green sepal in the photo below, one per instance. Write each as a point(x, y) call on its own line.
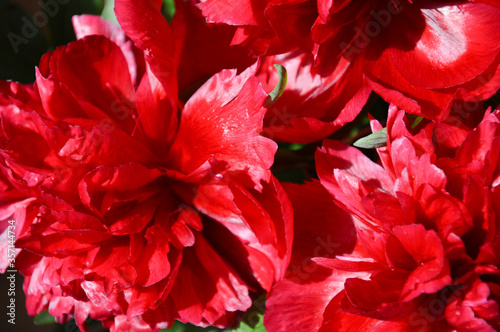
point(168, 10)
point(280, 86)
point(258, 327)
point(375, 140)
point(44, 318)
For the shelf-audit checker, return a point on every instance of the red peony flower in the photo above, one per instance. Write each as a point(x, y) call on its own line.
point(419, 55)
point(424, 254)
point(312, 107)
point(131, 208)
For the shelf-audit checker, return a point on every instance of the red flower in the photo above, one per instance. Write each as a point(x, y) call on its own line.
point(205, 48)
point(127, 210)
point(419, 55)
point(424, 256)
point(312, 107)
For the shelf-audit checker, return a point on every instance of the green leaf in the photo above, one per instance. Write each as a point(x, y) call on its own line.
point(258, 327)
point(108, 11)
point(296, 146)
point(415, 122)
point(377, 139)
point(168, 9)
point(180, 327)
point(279, 88)
point(44, 318)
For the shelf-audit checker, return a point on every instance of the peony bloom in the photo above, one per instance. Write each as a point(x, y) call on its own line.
point(312, 107)
point(424, 253)
point(131, 208)
point(419, 55)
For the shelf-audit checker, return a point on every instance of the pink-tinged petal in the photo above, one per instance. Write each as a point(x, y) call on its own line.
point(222, 120)
point(448, 45)
point(417, 171)
point(121, 324)
point(86, 25)
point(399, 126)
point(181, 235)
point(217, 201)
point(18, 211)
point(465, 313)
point(402, 154)
point(143, 22)
point(349, 175)
point(325, 7)
point(74, 266)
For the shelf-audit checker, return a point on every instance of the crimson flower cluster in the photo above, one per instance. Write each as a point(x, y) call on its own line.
point(136, 169)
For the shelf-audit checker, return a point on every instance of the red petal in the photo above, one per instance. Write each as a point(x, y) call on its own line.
point(312, 106)
point(150, 261)
point(292, 21)
point(143, 22)
point(338, 320)
point(349, 175)
point(206, 48)
point(310, 299)
point(222, 120)
point(111, 262)
point(230, 12)
point(115, 179)
point(86, 25)
point(322, 229)
point(425, 247)
point(448, 52)
point(261, 221)
point(203, 303)
point(94, 69)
